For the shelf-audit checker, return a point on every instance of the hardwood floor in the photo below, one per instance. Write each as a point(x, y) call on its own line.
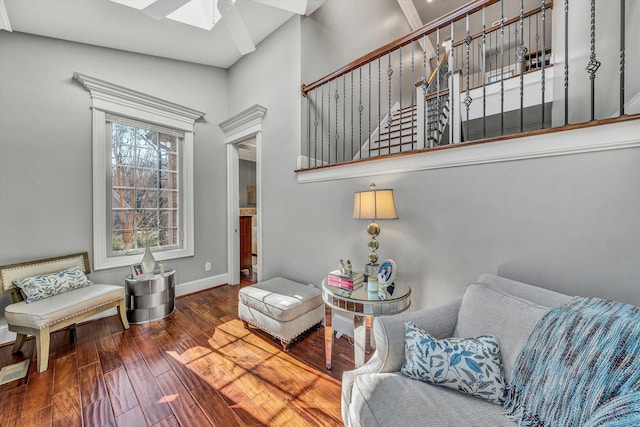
point(198, 367)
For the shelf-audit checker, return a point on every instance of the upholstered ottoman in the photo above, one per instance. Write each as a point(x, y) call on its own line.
point(281, 307)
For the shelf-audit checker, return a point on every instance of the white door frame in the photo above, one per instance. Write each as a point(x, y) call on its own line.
point(244, 125)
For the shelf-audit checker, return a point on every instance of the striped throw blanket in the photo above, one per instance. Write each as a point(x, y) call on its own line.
point(580, 367)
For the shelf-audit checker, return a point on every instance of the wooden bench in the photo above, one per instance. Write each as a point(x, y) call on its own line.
point(41, 318)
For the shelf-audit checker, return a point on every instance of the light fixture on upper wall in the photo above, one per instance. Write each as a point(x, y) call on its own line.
point(374, 205)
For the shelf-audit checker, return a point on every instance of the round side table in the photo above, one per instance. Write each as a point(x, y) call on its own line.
point(364, 306)
point(150, 298)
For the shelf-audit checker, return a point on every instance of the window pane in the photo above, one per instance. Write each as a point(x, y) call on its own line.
point(168, 199)
point(168, 237)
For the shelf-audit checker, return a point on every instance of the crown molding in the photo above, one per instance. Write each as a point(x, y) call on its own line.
point(110, 97)
point(242, 123)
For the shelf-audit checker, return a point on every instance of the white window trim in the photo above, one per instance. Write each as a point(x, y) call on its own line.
point(111, 98)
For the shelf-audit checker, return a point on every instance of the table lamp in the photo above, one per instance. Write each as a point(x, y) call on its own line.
point(374, 205)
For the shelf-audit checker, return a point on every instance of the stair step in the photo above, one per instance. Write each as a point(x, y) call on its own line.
point(395, 134)
point(387, 147)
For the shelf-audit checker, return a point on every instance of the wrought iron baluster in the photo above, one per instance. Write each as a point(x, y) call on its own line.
point(622, 53)
point(566, 62)
point(467, 99)
point(322, 128)
point(389, 73)
point(452, 128)
point(501, 67)
point(544, 49)
point(337, 135)
point(431, 140)
point(344, 118)
point(484, 70)
point(360, 108)
point(379, 101)
point(520, 56)
point(594, 64)
point(308, 131)
point(400, 103)
point(425, 79)
point(315, 126)
point(369, 106)
point(329, 123)
point(351, 109)
point(413, 79)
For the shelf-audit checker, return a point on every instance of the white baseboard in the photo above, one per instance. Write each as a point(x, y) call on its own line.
point(7, 336)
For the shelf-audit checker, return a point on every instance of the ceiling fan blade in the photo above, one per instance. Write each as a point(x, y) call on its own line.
point(295, 6)
point(161, 8)
point(234, 23)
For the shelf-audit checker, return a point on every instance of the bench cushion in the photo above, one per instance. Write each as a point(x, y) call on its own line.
point(49, 311)
point(280, 298)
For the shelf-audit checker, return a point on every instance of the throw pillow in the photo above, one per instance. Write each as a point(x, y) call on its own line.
point(47, 285)
point(470, 365)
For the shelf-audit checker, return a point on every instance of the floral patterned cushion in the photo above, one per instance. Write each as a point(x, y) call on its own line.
point(470, 365)
point(47, 285)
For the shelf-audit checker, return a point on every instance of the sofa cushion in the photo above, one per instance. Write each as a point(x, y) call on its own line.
point(470, 365)
point(535, 294)
point(47, 285)
point(392, 400)
point(510, 319)
point(280, 298)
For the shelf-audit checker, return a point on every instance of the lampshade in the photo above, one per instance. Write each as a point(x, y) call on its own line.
point(374, 204)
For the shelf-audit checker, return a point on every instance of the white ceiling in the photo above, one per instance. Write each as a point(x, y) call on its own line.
point(113, 25)
point(108, 24)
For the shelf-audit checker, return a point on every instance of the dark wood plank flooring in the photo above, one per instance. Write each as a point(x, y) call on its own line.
point(197, 367)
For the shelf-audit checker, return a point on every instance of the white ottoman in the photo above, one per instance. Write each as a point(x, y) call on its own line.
point(281, 307)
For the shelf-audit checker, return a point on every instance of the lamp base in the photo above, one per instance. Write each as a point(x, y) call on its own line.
point(371, 269)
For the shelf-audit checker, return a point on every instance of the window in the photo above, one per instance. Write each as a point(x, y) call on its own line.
point(144, 186)
point(142, 175)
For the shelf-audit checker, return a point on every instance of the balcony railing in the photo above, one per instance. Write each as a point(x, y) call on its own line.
point(492, 75)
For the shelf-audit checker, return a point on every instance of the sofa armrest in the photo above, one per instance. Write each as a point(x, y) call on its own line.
point(389, 338)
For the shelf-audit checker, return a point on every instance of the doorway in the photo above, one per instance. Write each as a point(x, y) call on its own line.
point(248, 223)
point(239, 129)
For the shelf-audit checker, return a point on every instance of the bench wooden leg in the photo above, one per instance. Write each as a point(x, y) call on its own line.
point(20, 338)
point(122, 310)
point(42, 348)
point(245, 324)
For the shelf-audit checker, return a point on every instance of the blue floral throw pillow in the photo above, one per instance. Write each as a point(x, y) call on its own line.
point(470, 365)
point(47, 285)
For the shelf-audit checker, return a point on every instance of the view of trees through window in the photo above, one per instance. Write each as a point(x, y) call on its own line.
point(144, 187)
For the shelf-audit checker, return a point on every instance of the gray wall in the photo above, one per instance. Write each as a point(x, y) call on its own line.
point(45, 147)
point(567, 223)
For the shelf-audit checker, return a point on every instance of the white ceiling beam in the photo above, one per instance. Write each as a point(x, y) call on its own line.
point(411, 13)
point(295, 6)
point(238, 30)
point(161, 8)
point(313, 5)
point(4, 18)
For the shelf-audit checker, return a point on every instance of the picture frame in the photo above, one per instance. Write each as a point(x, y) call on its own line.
point(387, 272)
point(136, 271)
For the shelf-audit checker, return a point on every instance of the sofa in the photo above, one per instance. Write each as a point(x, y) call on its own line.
point(378, 394)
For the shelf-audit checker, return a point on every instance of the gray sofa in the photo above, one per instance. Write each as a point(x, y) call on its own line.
point(377, 394)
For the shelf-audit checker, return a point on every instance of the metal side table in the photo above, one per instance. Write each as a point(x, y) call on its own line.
point(150, 298)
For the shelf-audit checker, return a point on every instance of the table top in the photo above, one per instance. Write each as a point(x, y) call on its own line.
point(362, 301)
point(155, 275)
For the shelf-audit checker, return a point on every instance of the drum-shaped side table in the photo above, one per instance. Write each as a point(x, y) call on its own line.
point(150, 298)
